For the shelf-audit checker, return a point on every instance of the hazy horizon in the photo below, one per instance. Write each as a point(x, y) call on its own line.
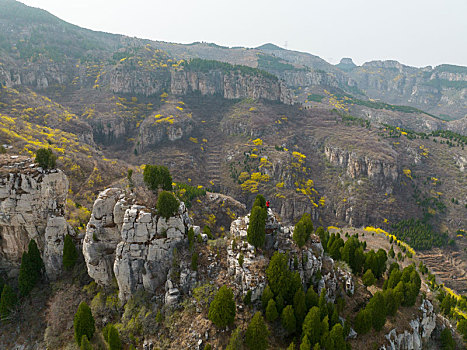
point(416, 33)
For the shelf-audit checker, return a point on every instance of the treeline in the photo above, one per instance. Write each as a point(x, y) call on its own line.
point(352, 252)
point(201, 65)
point(418, 234)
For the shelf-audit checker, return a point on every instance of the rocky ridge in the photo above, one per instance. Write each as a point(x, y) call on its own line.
point(32, 206)
point(131, 242)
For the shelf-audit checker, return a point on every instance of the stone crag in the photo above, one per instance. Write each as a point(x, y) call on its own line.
point(132, 243)
point(32, 203)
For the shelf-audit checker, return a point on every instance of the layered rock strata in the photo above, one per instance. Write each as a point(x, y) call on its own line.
point(131, 242)
point(32, 206)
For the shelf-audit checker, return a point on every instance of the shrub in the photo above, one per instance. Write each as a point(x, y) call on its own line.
point(256, 335)
point(191, 238)
point(167, 204)
point(46, 158)
point(70, 254)
point(8, 301)
point(83, 322)
point(222, 308)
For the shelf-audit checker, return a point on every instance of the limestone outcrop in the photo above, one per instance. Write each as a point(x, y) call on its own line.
point(131, 242)
point(422, 327)
point(249, 274)
point(383, 172)
point(32, 206)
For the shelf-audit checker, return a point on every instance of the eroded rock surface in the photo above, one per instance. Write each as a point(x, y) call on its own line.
point(132, 243)
point(32, 206)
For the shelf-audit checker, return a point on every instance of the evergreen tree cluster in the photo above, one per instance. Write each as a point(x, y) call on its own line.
point(400, 289)
point(155, 177)
point(303, 229)
point(352, 252)
point(418, 234)
point(301, 311)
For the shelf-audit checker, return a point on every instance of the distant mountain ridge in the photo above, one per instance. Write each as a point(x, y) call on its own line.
point(30, 38)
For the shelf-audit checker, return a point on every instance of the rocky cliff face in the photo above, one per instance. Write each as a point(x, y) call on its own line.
point(440, 90)
point(383, 172)
point(132, 243)
point(311, 260)
point(32, 203)
point(422, 328)
point(230, 85)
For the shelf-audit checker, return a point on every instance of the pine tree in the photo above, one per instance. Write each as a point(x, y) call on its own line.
point(288, 319)
point(256, 335)
point(266, 296)
point(363, 321)
point(337, 337)
point(299, 305)
point(447, 343)
point(311, 298)
point(114, 339)
point(27, 275)
point(322, 305)
point(70, 254)
point(291, 346)
point(85, 344)
point(256, 232)
point(222, 308)
point(167, 204)
point(271, 311)
point(46, 158)
point(278, 274)
point(8, 301)
point(368, 278)
point(305, 345)
point(83, 323)
point(312, 325)
point(235, 341)
point(260, 201)
point(35, 258)
point(299, 234)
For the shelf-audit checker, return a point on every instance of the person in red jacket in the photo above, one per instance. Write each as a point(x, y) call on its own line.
point(267, 204)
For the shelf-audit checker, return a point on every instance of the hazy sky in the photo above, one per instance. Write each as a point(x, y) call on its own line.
point(414, 32)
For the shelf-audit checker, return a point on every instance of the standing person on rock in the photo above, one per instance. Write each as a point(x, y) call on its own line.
point(267, 204)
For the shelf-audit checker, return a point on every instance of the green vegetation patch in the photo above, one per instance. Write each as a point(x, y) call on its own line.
point(200, 65)
point(418, 234)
